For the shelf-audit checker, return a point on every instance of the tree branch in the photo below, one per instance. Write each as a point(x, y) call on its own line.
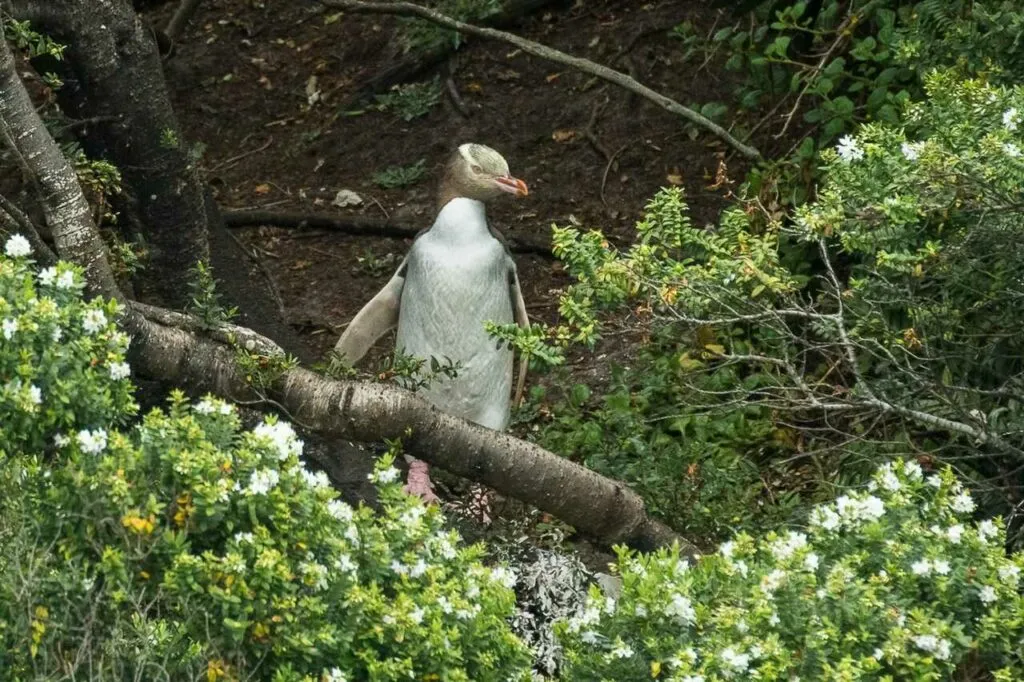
point(551, 54)
point(595, 505)
point(354, 225)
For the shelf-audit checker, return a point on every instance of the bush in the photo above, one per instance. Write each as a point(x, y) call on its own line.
point(893, 582)
point(184, 546)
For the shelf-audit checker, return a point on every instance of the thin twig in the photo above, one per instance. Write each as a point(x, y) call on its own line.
point(227, 163)
point(551, 54)
point(608, 167)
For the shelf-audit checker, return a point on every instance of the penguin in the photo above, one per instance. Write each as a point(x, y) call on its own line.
point(457, 275)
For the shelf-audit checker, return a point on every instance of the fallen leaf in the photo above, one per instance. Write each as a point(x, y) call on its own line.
point(474, 87)
point(262, 189)
point(345, 198)
point(265, 82)
point(551, 77)
point(563, 135)
point(301, 265)
point(675, 177)
point(508, 75)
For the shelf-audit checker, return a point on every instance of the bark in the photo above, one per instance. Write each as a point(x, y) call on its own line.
point(164, 348)
point(64, 206)
point(362, 226)
point(113, 75)
point(544, 52)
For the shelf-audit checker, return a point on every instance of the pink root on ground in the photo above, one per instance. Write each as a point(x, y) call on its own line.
point(418, 483)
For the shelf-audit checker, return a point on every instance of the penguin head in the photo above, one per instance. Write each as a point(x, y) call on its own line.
point(476, 171)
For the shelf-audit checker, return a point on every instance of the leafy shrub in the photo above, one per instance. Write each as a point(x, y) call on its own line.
point(184, 546)
point(394, 177)
point(412, 100)
point(418, 35)
point(848, 63)
point(889, 583)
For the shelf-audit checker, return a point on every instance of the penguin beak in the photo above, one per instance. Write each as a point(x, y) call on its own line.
point(511, 185)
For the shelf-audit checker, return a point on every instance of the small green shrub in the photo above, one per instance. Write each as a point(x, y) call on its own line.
point(411, 100)
point(894, 582)
point(395, 177)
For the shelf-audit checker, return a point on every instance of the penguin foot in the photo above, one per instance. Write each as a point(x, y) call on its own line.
point(418, 482)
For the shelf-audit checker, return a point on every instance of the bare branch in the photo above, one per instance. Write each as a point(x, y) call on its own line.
point(551, 54)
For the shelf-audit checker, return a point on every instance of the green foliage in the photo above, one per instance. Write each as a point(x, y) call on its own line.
point(34, 44)
point(411, 100)
point(61, 359)
point(374, 266)
point(261, 371)
point(394, 177)
point(422, 36)
point(858, 62)
point(891, 583)
point(206, 303)
point(185, 547)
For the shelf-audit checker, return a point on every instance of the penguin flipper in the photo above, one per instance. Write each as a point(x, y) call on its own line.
point(523, 320)
point(377, 317)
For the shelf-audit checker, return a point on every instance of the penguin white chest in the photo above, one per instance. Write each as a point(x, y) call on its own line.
point(457, 279)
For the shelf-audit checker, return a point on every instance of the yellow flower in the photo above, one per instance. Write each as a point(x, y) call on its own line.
point(143, 526)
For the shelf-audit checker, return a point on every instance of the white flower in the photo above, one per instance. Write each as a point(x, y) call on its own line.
point(504, 576)
point(933, 645)
point(912, 470)
point(889, 480)
point(727, 548)
point(825, 517)
point(119, 370)
point(811, 562)
point(204, 406)
point(773, 619)
point(60, 440)
point(66, 280)
point(987, 530)
point(345, 564)
point(954, 533)
point(877, 654)
point(922, 567)
point(416, 615)
point(849, 150)
point(872, 508)
point(941, 567)
point(35, 394)
point(339, 510)
point(934, 481)
point(245, 538)
point(263, 481)
point(412, 515)
point(47, 276)
point(17, 246)
point(681, 609)
point(1010, 119)
point(57, 334)
point(92, 442)
point(773, 580)
point(693, 678)
point(282, 436)
point(735, 661)
point(911, 150)
point(741, 568)
point(388, 619)
point(784, 548)
point(315, 480)
point(10, 327)
point(1011, 150)
point(399, 568)
point(389, 475)
point(93, 321)
point(621, 650)
point(589, 637)
point(962, 503)
point(987, 594)
point(335, 675)
point(1010, 573)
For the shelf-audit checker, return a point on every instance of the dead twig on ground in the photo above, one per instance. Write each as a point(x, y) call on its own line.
point(551, 54)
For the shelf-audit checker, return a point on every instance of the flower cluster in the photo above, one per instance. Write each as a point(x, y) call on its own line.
point(900, 564)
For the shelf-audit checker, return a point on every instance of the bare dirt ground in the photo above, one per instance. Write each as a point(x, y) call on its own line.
point(239, 83)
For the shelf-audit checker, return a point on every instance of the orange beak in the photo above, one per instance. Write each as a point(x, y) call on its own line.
point(512, 185)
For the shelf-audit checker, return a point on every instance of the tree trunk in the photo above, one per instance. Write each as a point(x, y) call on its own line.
point(112, 73)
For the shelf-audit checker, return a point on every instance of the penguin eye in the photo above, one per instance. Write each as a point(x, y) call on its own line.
point(476, 169)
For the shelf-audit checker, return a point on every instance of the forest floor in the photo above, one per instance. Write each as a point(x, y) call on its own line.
point(240, 84)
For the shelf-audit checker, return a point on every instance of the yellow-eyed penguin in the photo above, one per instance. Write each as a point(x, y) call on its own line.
point(457, 275)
